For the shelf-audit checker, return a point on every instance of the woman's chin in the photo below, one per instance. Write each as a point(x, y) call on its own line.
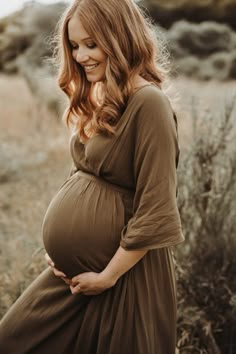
point(94, 79)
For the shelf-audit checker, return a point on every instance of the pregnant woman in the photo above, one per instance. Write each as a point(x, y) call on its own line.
point(109, 230)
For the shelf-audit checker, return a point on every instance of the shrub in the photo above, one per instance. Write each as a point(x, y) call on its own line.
point(201, 39)
point(166, 12)
point(232, 72)
point(26, 33)
point(25, 38)
point(206, 274)
point(189, 66)
point(205, 51)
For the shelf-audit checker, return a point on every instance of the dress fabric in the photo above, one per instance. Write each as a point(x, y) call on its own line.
point(121, 192)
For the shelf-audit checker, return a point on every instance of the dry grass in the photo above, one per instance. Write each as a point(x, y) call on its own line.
point(34, 161)
point(207, 202)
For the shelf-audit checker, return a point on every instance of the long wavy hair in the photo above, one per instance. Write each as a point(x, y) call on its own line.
point(128, 37)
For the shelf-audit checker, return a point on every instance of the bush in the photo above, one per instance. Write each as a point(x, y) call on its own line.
point(166, 12)
point(26, 33)
point(206, 274)
point(189, 66)
point(205, 51)
point(232, 72)
point(201, 39)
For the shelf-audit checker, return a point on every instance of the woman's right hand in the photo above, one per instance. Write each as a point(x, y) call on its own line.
point(56, 271)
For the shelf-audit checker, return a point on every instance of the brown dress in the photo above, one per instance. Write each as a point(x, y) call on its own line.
point(122, 192)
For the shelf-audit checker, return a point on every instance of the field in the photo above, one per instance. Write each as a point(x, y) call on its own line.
point(35, 160)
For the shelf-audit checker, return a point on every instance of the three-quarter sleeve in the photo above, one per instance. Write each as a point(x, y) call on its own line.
point(155, 222)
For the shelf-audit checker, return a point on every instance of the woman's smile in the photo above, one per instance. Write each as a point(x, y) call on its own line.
point(89, 68)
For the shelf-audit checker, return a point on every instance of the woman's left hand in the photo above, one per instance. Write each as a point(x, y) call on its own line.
point(90, 283)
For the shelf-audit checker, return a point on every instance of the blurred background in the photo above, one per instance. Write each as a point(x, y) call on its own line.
point(35, 158)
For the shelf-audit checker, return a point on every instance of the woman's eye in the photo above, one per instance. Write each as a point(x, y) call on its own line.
point(73, 46)
point(89, 45)
point(92, 45)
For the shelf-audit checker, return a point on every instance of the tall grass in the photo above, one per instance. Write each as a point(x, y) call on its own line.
point(34, 161)
point(207, 263)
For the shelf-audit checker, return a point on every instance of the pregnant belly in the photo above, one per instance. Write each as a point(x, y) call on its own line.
point(82, 226)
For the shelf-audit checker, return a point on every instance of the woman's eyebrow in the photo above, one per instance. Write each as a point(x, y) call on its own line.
point(83, 39)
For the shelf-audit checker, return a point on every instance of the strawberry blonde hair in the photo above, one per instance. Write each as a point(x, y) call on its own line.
point(128, 38)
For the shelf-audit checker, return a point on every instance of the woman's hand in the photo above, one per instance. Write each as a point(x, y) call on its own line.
point(90, 283)
point(57, 272)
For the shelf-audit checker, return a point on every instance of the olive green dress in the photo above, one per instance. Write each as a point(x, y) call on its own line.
point(121, 192)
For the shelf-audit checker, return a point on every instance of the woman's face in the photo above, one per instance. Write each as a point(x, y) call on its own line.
point(85, 51)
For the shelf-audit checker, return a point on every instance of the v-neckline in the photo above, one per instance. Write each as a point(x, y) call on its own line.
point(86, 142)
point(129, 99)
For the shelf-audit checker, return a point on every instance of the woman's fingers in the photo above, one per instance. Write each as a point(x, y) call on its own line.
point(58, 273)
point(67, 280)
point(49, 260)
point(75, 289)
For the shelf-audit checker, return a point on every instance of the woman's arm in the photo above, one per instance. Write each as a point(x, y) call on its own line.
point(121, 262)
point(91, 283)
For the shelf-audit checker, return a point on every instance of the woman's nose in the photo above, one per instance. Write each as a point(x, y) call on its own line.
point(81, 56)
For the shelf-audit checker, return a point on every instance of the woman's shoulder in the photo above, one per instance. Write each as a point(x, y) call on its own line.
point(151, 108)
point(150, 97)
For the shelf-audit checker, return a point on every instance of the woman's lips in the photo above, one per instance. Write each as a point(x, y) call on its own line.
point(89, 68)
